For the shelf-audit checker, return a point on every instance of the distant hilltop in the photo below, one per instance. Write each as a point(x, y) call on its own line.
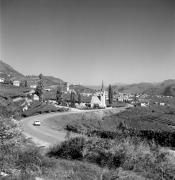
point(8, 72)
point(166, 88)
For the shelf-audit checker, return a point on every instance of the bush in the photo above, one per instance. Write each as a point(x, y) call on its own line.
point(70, 149)
point(29, 160)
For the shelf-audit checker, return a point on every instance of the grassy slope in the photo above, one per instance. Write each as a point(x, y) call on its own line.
point(6, 70)
point(86, 120)
point(12, 91)
point(156, 119)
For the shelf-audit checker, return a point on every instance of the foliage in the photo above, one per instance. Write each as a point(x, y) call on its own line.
point(79, 98)
point(40, 108)
point(40, 88)
point(110, 94)
point(72, 99)
point(70, 149)
point(59, 95)
point(131, 154)
point(19, 157)
point(9, 142)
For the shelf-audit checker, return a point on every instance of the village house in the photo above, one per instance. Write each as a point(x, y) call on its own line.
point(2, 80)
point(35, 97)
point(16, 83)
point(33, 86)
point(162, 104)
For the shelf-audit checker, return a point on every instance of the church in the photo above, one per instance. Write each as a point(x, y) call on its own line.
point(99, 98)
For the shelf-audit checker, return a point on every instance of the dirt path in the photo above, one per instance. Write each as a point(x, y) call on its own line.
point(43, 135)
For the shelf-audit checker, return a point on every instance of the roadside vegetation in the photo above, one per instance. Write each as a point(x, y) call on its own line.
point(40, 108)
point(138, 140)
point(140, 158)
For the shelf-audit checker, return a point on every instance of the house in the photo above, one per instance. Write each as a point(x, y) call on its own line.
point(2, 80)
point(48, 89)
point(33, 86)
point(16, 83)
point(143, 104)
point(162, 104)
point(35, 97)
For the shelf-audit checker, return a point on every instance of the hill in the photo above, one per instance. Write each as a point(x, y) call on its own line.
point(7, 71)
point(166, 88)
point(48, 80)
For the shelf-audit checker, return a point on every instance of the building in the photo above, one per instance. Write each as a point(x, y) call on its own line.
point(35, 97)
point(2, 80)
point(16, 83)
point(33, 86)
point(67, 87)
point(99, 98)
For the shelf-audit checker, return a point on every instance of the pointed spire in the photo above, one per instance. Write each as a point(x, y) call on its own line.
point(102, 86)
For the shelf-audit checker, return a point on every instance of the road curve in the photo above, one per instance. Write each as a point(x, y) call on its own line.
point(43, 135)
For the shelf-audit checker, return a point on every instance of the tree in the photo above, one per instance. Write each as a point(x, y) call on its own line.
point(110, 94)
point(72, 99)
point(10, 139)
point(40, 76)
point(79, 98)
point(40, 88)
point(59, 95)
point(25, 83)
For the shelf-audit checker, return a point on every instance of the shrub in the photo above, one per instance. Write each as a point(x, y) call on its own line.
point(70, 149)
point(29, 160)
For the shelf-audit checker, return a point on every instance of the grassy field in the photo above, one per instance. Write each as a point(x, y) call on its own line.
point(154, 123)
point(82, 120)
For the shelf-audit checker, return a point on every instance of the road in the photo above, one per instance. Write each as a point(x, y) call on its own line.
point(43, 135)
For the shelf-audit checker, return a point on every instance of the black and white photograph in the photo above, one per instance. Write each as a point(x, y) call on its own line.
point(87, 89)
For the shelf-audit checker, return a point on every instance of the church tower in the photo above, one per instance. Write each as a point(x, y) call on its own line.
point(103, 97)
point(102, 86)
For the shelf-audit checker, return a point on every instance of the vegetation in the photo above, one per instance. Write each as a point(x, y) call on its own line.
point(7, 90)
point(110, 95)
point(40, 108)
point(18, 156)
point(59, 95)
point(40, 88)
point(72, 99)
point(129, 154)
point(79, 98)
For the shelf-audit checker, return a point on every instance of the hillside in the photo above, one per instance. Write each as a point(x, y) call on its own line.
point(48, 80)
point(7, 71)
point(166, 88)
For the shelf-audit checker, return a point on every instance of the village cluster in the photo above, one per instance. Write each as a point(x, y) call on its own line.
point(96, 99)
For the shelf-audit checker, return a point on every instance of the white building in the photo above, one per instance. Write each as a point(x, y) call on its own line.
point(33, 86)
point(16, 83)
point(35, 97)
point(1, 80)
point(98, 99)
point(162, 104)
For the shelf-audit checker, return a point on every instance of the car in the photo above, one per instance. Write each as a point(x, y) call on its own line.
point(36, 123)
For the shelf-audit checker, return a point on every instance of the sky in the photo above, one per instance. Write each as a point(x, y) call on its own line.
point(87, 41)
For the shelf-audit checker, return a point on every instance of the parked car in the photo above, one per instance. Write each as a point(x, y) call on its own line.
point(36, 123)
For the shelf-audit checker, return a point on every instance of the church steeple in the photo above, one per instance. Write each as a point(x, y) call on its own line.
point(102, 86)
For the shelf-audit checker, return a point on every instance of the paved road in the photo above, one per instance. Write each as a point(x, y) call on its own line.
point(43, 135)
